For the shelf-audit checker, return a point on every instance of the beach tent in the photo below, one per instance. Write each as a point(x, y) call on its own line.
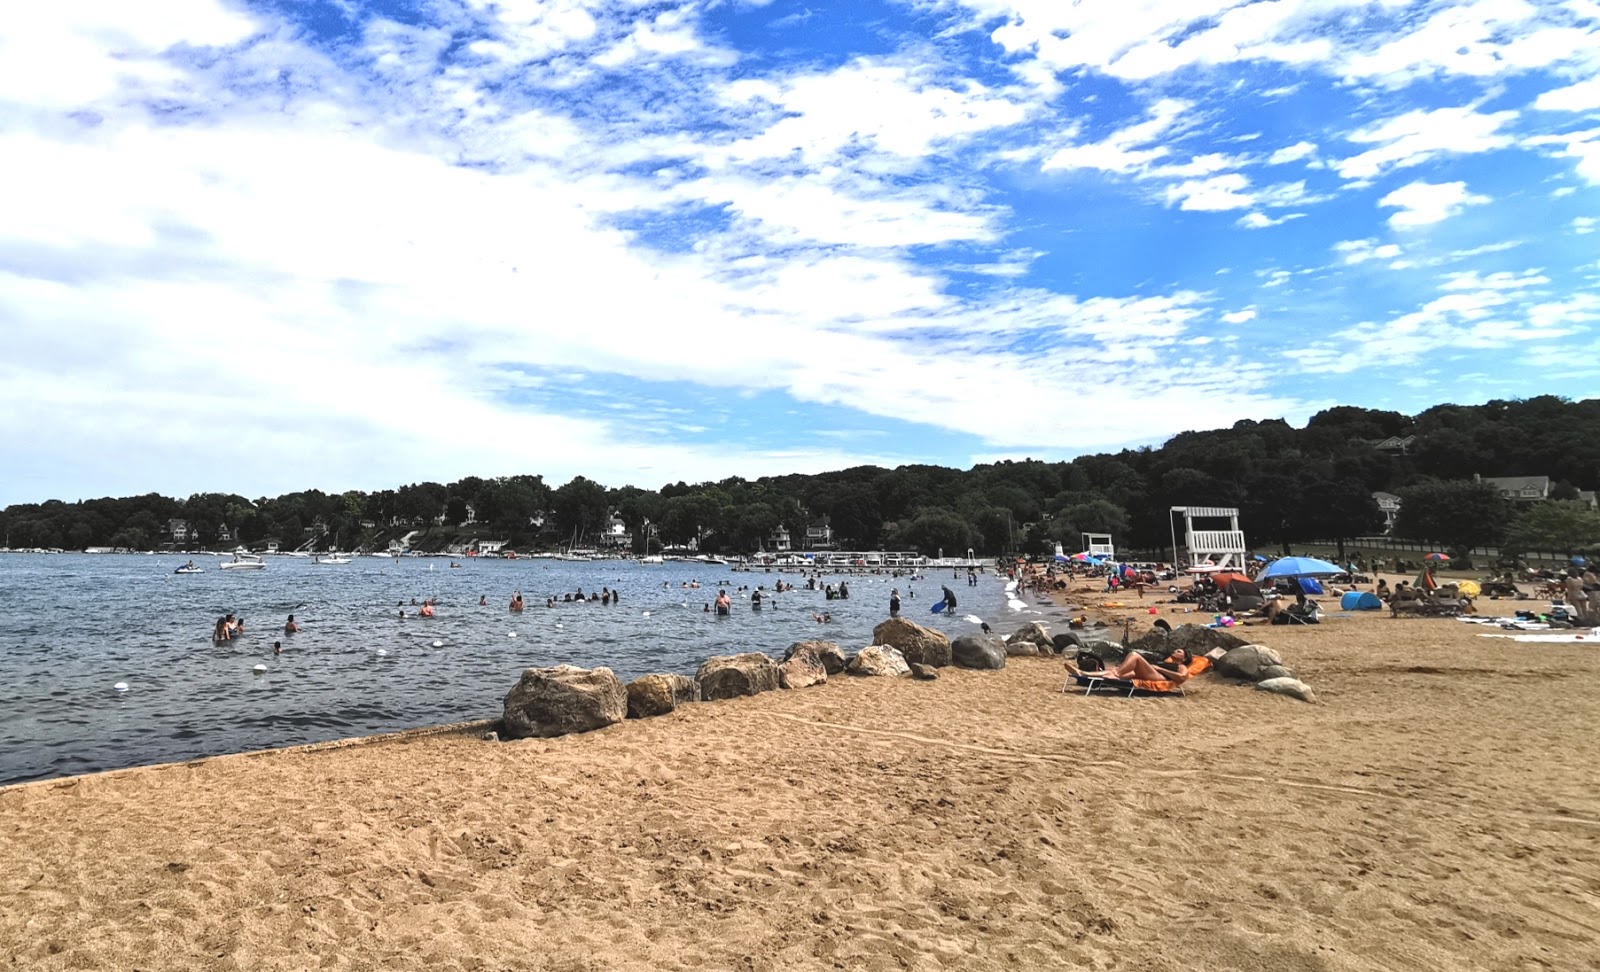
point(1360, 601)
point(1310, 585)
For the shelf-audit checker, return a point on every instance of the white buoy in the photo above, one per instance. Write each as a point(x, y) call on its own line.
point(647, 614)
point(560, 625)
point(260, 669)
point(121, 686)
point(438, 644)
point(382, 652)
point(513, 634)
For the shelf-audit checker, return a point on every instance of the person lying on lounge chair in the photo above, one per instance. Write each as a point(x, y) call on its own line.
point(1138, 668)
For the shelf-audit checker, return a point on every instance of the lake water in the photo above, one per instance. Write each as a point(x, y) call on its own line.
point(74, 625)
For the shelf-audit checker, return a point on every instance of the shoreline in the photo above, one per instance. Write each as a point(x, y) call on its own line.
point(1427, 813)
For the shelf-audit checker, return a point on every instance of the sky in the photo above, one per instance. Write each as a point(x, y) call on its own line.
point(286, 244)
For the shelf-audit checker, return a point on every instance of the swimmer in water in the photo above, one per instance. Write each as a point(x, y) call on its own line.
point(290, 627)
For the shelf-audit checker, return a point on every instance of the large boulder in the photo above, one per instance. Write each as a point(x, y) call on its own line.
point(880, 660)
point(1030, 639)
point(563, 699)
point(918, 644)
point(1247, 662)
point(831, 655)
point(1292, 687)
point(1274, 671)
point(653, 695)
point(979, 651)
point(926, 673)
point(803, 665)
point(1198, 638)
point(730, 676)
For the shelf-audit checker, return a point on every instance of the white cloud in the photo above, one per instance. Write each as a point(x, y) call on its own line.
point(1501, 280)
point(1129, 149)
point(1292, 153)
point(1423, 204)
point(1240, 317)
point(1260, 220)
point(1584, 146)
point(1583, 96)
point(1216, 194)
point(1417, 136)
point(1583, 225)
point(1360, 251)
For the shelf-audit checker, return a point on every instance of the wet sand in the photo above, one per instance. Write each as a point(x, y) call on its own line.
point(1438, 809)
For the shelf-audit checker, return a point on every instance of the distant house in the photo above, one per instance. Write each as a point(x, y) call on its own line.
point(178, 530)
point(819, 535)
point(1400, 444)
point(779, 539)
point(616, 534)
point(1389, 506)
point(1588, 498)
point(1520, 489)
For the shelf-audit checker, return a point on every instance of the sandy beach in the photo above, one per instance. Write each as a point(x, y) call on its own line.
point(1437, 809)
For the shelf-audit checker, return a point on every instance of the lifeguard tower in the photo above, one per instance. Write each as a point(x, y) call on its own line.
point(1099, 545)
point(1225, 548)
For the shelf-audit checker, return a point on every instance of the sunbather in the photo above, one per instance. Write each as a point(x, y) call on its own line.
point(1136, 667)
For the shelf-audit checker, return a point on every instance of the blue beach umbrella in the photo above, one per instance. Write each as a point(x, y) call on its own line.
point(1299, 567)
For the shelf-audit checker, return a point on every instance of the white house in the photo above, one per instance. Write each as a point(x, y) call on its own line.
point(819, 535)
point(1520, 489)
point(1389, 506)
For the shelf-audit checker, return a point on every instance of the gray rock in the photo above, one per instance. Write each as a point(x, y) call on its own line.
point(880, 660)
point(926, 673)
point(730, 676)
point(979, 651)
point(1292, 687)
point(831, 655)
point(563, 699)
point(1198, 638)
point(916, 643)
point(1273, 671)
point(1033, 635)
point(653, 695)
point(1247, 661)
point(803, 665)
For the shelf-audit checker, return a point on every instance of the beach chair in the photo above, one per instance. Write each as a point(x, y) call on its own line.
point(1100, 683)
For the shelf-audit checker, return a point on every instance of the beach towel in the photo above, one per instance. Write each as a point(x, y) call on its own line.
point(1092, 682)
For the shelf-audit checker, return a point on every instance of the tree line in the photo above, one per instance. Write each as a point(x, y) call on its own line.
point(1291, 486)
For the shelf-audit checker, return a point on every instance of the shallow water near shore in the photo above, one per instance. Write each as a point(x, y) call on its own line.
point(75, 625)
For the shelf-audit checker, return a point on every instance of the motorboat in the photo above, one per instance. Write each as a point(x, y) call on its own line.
point(244, 562)
point(652, 559)
point(333, 560)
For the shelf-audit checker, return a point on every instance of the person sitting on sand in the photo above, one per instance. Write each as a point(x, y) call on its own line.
point(1137, 667)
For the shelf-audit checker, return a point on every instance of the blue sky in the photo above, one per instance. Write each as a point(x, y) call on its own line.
point(257, 247)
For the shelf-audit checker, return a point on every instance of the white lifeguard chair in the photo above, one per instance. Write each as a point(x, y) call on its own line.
point(1225, 548)
point(1099, 545)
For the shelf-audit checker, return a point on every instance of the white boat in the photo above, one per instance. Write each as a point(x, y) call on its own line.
point(189, 568)
point(334, 560)
point(652, 559)
point(244, 562)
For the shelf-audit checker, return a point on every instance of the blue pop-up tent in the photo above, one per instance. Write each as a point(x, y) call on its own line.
point(1360, 601)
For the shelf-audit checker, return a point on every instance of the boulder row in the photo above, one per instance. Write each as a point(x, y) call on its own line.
point(556, 701)
point(653, 695)
point(979, 651)
point(916, 643)
point(1030, 639)
point(730, 676)
point(880, 660)
point(804, 664)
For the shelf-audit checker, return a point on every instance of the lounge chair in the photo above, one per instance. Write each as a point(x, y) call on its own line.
point(1093, 682)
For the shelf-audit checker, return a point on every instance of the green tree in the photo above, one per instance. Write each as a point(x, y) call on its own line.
point(1456, 514)
point(1555, 526)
